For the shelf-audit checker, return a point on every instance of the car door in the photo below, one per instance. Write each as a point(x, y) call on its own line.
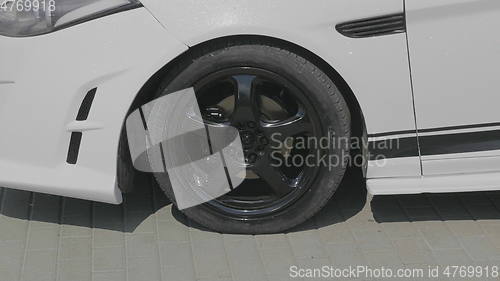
point(454, 52)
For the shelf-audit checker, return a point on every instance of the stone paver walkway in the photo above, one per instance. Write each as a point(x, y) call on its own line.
point(45, 237)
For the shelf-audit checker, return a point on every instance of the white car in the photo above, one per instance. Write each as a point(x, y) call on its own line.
point(414, 81)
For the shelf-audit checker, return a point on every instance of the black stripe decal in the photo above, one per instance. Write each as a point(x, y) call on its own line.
point(392, 133)
point(438, 129)
point(435, 144)
point(393, 148)
point(461, 127)
point(460, 143)
point(376, 26)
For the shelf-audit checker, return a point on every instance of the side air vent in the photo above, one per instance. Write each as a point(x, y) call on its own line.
point(76, 137)
point(84, 111)
point(74, 147)
point(371, 27)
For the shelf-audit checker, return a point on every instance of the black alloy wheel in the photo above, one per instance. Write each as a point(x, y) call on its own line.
point(275, 98)
point(268, 111)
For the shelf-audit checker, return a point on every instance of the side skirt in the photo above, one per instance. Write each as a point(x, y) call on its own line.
point(435, 184)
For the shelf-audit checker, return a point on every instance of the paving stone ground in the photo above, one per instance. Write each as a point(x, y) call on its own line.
point(44, 237)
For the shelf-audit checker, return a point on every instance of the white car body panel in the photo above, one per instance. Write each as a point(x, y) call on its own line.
point(434, 184)
point(454, 66)
point(50, 74)
point(455, 58)
point(120, 52)
point(455, 38)
point(397, 167)
point(461, 165)
point(375, 68)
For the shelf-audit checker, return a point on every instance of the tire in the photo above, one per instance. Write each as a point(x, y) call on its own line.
point(322, 93)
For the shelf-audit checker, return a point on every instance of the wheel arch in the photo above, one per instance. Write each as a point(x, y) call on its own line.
point(147, 91)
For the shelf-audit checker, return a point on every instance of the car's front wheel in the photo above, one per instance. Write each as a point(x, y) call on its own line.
point(286, 109)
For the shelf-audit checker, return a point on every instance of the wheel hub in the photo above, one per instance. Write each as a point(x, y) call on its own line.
point(253, 140)
point(247, 137)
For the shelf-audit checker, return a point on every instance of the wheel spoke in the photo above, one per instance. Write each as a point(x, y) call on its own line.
point(288, 128)
point(273, 177)
point(245, 106)
point(215, 124)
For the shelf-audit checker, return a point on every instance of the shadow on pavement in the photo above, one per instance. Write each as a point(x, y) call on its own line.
point(437, 207)
point(348, 201)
